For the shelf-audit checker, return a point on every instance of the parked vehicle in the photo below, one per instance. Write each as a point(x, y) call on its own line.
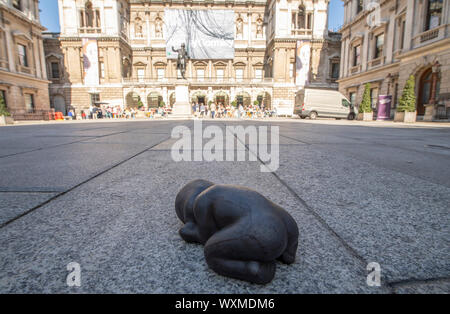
point(314, 102)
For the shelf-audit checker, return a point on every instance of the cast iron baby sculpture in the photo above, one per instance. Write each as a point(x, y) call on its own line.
point(243, 232)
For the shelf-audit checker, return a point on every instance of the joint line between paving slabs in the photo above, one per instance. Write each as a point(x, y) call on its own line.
point(58, 145)
point(79, 184)
point(352, 251)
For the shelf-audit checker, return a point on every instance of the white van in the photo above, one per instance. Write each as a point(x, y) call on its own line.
point(314, 102)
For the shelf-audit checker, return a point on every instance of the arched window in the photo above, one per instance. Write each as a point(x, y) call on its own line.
point(138, 27)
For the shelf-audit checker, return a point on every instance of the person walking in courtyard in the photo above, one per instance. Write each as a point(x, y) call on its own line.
point(202, 110)
point(213, 110)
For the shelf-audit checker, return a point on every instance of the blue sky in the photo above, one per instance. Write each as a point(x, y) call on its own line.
point(50, 18)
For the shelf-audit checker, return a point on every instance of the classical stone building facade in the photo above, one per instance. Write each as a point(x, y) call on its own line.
point(23, 77)
point(385, 42)
point(133, 65)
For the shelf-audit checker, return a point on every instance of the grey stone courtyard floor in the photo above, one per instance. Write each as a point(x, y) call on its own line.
point(102, 195)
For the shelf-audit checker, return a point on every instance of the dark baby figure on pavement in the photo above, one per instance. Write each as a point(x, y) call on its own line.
point(243, 232)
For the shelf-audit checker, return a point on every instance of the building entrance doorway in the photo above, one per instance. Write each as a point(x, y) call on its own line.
point(220, 99)
point(201, 100)
point(425, 86)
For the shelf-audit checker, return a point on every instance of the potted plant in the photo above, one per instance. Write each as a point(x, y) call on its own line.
point(406, 110)
point(365, 112)
point(234, 103)
point(256, 103)
point(5, 116)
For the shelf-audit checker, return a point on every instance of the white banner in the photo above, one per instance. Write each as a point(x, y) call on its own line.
point(90, 61)
point(207, 34)
point(302, 57)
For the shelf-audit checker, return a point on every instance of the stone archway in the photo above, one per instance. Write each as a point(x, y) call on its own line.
point(243, 98)
point(132, 100)
point(154, 100)
point(265, 100)
point(199, 97)
point(222, 97)
point(424, 89)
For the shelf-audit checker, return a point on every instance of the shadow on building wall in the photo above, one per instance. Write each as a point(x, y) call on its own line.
point(60, 92)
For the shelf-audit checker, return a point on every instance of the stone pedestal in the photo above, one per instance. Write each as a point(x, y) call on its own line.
point(181, 107)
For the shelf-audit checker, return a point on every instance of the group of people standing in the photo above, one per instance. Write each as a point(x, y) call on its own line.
point(219, 110)
point(111, 112)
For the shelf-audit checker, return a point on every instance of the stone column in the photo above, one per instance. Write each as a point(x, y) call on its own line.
point(430, 108)
point(409, 24)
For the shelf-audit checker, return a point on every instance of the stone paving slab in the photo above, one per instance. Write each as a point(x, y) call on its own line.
point(122, 229)
point(433, 287)
point(388, 217)
point(65, 166)
point(343, 183)
point(15, 204)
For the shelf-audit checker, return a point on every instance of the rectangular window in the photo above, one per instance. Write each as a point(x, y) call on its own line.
point(309, 21)
point(95, 98)
point(374, 97)
point(258, 74)
point(291, 70)
point(102, 69)
point(239, 75)
point(82, 24)
point(161, 74)
point(141, 74)
point(379, 43)
point(55, 70)
point(29, 103)
point(220, 74)
point(402, 34)
point(334, 70)
point(356, 55)
point(17, 5)
point(23, 59)
point(359, 6)
point(201, 74)
point(434, 14)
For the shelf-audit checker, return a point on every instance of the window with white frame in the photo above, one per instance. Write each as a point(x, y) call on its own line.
point(356, 55)
point(379, 45)
point(102, 69)
point(291, 69)
point(29, 103)
point(141, 74)
point(433, 14)
point(220, 74)
point(374, 96)
point(239, 75)
point(22, 52)
point(161, 73)
point(201, 74)
point(258, 74)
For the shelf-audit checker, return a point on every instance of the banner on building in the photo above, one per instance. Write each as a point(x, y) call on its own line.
point(207, 34)
point(90, 61)
point(302, 57)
